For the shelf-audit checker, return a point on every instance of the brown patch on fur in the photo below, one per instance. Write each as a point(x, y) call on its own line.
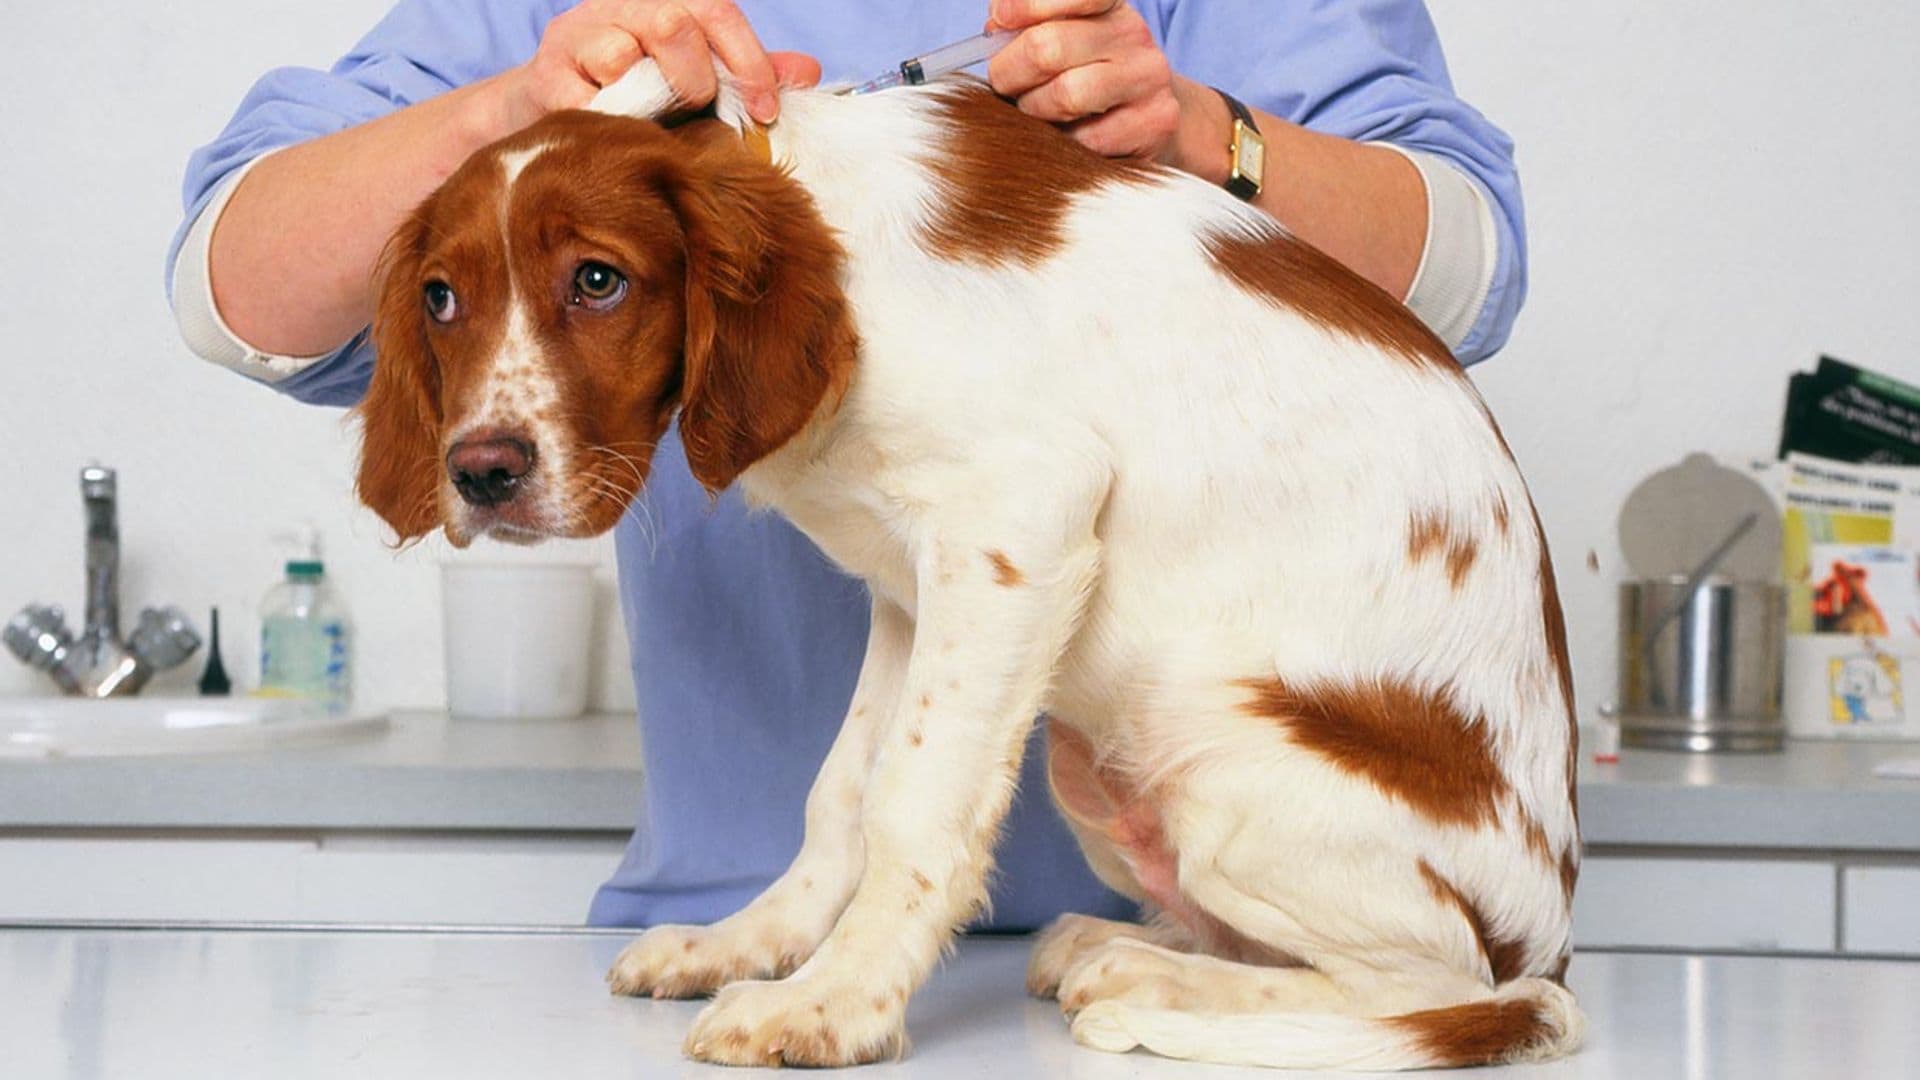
point(1505, 958)
point(1006, 181)
point(1004, 572)
point(921, 881)
point(1459, 560)
point(1480, 1033)
point(1501, 513)
point(1569, 872)
point(1412, 744)
point(1428, 533)
point(1536, 839)
point(916, 737)
point(1559, 972)
point(1300, 278)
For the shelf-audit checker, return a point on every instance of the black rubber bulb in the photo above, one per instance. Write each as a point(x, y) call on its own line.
point(214, 681)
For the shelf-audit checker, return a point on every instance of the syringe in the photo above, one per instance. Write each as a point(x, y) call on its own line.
point(942, 61)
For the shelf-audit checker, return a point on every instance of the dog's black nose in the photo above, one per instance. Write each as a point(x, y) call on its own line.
point(487, 470)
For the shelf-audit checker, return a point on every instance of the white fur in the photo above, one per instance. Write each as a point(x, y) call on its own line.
point(520, 397)
point(1191, 484)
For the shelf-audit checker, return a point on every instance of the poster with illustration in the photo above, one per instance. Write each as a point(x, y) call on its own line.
point(1865, 689)
point(1864, 589)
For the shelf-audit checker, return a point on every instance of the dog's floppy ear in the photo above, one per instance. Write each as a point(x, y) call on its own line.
point(400, 416)
point(768, 336)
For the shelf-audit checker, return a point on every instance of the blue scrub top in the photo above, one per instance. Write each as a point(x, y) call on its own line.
point(746, 641)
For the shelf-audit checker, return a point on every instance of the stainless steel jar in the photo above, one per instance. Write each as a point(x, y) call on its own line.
point(1700, 670)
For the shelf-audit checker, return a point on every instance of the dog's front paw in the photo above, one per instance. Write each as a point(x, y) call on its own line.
point(805, 1020)
point(694, 961)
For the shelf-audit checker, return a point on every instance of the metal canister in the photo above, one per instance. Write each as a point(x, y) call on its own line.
point(1700, 669)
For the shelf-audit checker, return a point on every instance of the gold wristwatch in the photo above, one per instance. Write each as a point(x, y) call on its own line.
point(1248, 151)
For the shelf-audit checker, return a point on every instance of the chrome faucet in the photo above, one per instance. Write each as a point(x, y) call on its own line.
point(100, 663)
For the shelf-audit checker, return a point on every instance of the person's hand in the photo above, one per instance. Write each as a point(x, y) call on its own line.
point(590, 45)
point(1093, 67)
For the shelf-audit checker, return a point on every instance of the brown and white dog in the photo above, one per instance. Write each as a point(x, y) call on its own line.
point(1103, 443)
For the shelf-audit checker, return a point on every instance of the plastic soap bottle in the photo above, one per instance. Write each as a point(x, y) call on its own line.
point(304, 644)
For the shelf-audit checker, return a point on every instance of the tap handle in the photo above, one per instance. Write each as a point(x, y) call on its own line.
point(38, 635)
point(164, 638)
point(96, 482)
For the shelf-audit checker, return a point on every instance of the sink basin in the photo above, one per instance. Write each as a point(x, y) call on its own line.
point(80, 727)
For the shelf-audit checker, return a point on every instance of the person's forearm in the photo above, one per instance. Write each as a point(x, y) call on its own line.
point(1364, 205)
point(294, 251)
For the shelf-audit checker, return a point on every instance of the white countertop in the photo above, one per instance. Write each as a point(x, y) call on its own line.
point(1814, 794)
point(287, 1004)
point(432, 773)
point(426, 771)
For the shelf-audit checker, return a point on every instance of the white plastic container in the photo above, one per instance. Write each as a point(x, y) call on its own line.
point(305, 650)
point(518, 639)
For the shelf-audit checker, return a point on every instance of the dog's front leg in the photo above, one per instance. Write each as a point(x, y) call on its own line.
point(999, 595)
point(782, 927)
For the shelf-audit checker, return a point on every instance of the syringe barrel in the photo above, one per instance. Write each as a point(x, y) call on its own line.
point(951, 58)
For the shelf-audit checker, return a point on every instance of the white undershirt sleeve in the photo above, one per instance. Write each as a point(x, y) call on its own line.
point(194, 310)
point(1462, 249)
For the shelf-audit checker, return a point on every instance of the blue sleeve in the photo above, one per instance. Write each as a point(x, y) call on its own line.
point(422, 48)
point(1368, 70)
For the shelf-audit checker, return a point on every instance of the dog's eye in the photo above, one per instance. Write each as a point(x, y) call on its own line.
point(441, 303)
point(597, 285)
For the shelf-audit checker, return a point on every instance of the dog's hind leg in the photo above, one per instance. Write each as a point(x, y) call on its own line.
point(1063, 945)
point(1138, 972)
point(1401, 969)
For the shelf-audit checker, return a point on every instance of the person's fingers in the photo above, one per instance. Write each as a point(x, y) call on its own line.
point(731, 37)
point(1042, 52)
point(1138, 129)
point(604, 53)
point(673, 39)
point(1018, 14)
point(1095, 88)
point(795, 69)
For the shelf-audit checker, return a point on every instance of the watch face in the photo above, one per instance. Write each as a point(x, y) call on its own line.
point(1249, 154)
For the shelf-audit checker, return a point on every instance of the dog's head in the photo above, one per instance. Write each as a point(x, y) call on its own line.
point(543, 315)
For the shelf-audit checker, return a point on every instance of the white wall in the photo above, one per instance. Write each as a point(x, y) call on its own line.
point(1716, 193)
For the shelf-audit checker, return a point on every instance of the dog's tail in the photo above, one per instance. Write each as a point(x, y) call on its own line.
point(1524, 1020)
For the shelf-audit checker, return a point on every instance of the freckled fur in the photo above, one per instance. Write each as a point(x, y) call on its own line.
point(1004, 572)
